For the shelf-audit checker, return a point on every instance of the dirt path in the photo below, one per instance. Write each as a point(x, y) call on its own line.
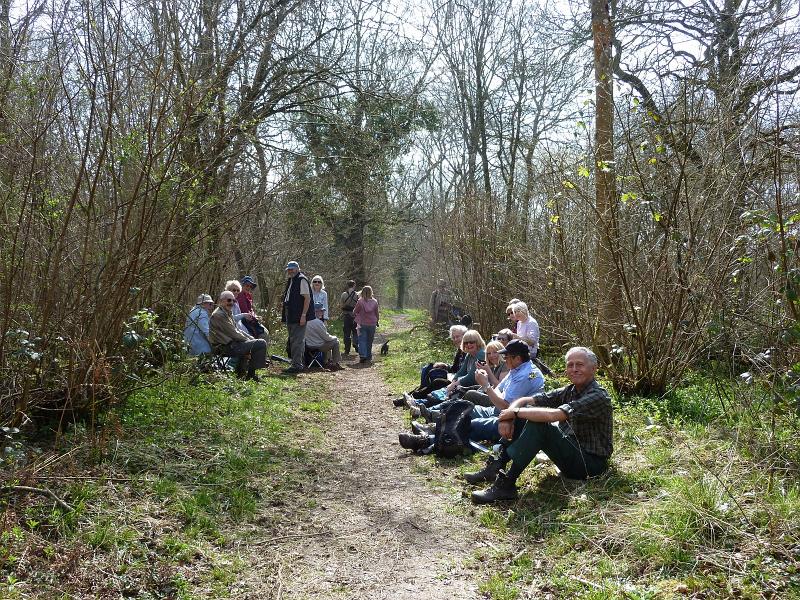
point(369, 525)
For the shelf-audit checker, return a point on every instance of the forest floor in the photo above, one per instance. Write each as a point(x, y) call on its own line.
point(203, 486)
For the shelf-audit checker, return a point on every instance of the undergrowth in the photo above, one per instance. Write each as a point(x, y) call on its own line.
point(160, 491)
point(702, 499)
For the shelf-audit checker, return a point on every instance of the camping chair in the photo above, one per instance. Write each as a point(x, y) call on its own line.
point(315, 358)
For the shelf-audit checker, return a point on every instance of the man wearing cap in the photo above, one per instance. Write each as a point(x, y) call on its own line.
point(228, 340)
point(523, 379)
point(297, 311)
point(318, 338)
point(581, 443)
point(195, 333)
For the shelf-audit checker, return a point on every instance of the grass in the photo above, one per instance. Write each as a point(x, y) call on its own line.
point(159, 508)
point(702, 499)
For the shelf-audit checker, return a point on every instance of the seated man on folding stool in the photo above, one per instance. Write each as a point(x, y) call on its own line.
point(318, 338)
point(228, 340)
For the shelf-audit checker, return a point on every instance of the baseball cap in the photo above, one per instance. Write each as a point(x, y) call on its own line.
point(248, 279)
point(516, 348)
point(292, 264)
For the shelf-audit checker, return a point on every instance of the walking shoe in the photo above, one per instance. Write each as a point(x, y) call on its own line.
point(411, 441)
point(487, 473)
point(423, 428)
point(414, 410)
point(503, 488)
point(292, 371)
point(401, 401)
point(253, 377)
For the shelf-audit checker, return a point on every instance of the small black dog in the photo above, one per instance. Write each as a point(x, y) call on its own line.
point(385, 348)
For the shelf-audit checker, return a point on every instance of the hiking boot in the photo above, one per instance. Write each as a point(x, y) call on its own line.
point(401, 401)
point(411, 441)
point(253, 377)
point(292, 371)
point(487, 473)
point(415, 411)
point(431, 416)
point(503, 488)
point(423, 428)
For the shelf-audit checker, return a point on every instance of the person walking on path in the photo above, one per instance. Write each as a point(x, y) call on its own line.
point(347, 303)
point(365, 314)
point(297, 311)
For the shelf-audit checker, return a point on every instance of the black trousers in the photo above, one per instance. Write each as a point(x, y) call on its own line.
point(349, 326)
point(257, 349)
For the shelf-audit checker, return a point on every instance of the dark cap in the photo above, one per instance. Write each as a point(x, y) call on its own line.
point(516, 348)
point(248, 279)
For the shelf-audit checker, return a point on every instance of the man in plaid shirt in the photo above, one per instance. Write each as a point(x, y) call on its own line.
point(580, 445)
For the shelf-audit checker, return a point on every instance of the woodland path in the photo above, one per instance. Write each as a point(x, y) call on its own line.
point(367, 525)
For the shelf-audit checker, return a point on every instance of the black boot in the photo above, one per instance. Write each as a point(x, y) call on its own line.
point(424, 428)
point(503, 488)
point(411, 441)
point(488, 472)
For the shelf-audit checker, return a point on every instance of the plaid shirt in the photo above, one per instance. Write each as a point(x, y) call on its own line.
point(588, 412)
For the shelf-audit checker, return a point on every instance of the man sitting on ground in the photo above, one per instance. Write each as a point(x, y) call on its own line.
point(318, 338)
point(228, 340)
point(580, 446)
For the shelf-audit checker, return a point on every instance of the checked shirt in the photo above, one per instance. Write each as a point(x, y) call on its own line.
point(588, 415)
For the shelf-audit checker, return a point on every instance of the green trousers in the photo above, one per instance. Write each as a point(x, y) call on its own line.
point(563, 450)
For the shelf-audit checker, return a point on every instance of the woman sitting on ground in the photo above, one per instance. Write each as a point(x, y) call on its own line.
point(504, 336)
point(456, 335)
point(430, 384)
point(474, 349)
point(527, 327)
point(496, 368)
point(474, 356)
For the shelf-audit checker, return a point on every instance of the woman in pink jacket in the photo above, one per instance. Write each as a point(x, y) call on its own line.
point(365, 314)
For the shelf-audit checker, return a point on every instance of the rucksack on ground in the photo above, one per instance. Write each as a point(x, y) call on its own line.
point(452, 429)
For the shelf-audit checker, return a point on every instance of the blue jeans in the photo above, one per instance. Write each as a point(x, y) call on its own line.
point(483, 425)
point(366, 336)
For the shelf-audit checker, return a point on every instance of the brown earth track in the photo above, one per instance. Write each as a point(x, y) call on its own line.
point(365, 525)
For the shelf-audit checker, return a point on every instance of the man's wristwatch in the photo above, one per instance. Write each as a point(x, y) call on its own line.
point(516, 410)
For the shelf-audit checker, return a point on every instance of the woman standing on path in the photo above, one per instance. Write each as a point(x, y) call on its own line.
point(366, 316)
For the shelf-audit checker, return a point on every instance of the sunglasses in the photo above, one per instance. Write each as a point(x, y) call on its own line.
point(229, 301)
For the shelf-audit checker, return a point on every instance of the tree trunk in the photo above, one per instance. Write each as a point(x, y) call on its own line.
point(609, 301)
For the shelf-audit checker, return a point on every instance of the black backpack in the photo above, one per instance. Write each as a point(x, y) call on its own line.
point(452, 428)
